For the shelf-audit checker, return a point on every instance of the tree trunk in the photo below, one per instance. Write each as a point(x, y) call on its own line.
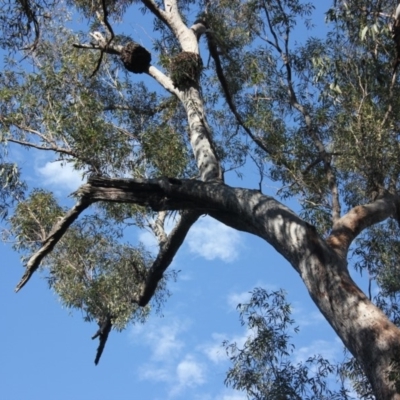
point(366, 332)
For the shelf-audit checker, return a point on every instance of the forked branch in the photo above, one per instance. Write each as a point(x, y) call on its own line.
point(243, 209)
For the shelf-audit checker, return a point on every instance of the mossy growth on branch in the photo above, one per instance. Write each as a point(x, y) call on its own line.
point(135, 58)
point(185, 69)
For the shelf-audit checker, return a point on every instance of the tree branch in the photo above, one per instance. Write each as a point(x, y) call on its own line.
point(185, 36)
point(102, 333)
point(52, 239)
point(102, 44)
point(154, 193)
point(329, 172)
point(106, 24)
point(200, 136)
point(243, 209)
point(157, 227)
point(167, 252)
point(160, 14)
point(172, 19)
point(228, 97)
point(164, 81)
point(347, 228)
point(199, 29)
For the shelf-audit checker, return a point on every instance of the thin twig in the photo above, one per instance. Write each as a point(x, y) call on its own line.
point(324, 155)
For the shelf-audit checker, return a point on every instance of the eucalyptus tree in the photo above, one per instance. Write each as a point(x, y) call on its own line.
point(233, 86)
point(263, 366)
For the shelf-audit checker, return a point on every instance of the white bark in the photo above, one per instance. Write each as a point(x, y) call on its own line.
point(163, 80)
point(200, 136)
point(186, 36)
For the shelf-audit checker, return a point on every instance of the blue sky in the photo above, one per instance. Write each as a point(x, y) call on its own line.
point(47, 353)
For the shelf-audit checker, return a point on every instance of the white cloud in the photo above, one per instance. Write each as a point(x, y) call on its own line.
point(60, 175)
point(214, 350)
point(186, 374)
point(149, 240)
point(190, 373)
point(151, 373)
point(168, 343)
point(234, 299)
point(211, 239)
point(216, 353)
point(162, 339)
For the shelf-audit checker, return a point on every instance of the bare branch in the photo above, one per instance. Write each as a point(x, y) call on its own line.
point(167, 253)
point(157, 227)
point(104, 21)
point(243, 209)
point(101, 44)
point(160, 14)
point(164, 81)
point(36, 146)
point(90, 46)
point(107, 23)
point(52, 239)
point(347, 228)
point(228, 97)
point(152, 192)
point(53, 147)
point(199, 29)
point(102, 333)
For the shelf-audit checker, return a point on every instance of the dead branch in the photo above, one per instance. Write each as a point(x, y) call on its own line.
point(52, 239)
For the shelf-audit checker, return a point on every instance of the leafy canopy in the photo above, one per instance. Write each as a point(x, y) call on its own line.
point(319, 116)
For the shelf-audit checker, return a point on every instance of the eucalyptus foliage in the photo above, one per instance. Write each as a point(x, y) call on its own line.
point(230, 83)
